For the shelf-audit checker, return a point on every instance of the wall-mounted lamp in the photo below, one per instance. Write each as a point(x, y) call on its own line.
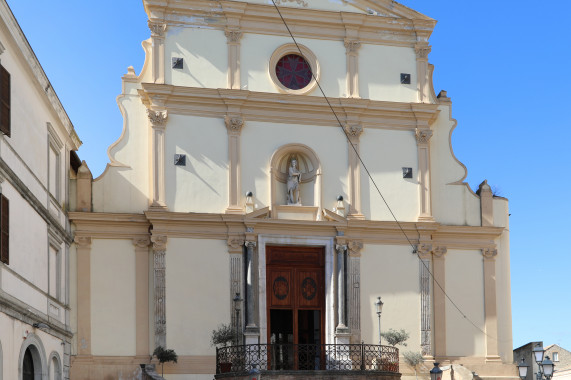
point(340, 209)
point(249, 202)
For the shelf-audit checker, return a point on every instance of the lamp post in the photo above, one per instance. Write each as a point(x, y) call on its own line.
point(436, 372)
point(545, 365)
point(237, 301)
point(379, 307)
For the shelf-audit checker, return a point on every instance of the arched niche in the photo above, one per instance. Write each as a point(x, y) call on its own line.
point(34, 346)
point(54, 367)
point(310, 181)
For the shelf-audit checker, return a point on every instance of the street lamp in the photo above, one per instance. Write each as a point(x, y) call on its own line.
point(436, 372)
point(379, 308)
point(237, 301)
point(545, 365)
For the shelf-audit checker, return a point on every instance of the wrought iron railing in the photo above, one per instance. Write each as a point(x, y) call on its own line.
point(298, 357)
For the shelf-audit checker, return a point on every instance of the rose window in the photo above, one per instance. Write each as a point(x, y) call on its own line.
point(293, 71)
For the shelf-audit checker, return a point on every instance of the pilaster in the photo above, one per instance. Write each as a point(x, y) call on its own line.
point(422, 142)
point(158, 121)
point(142, 295)
point(158, 30)
point(252, 331)
point(233, 40)
point(422, 50)
point(490, 306)
point(159, 274)
point(83, 249)
point(354, 289)
point(486, 204)
point(234, 126)
point(425, 304)
point(439, 283)
point(341, 290)
point(353, 133)
point(352, 53)
point(236, 251)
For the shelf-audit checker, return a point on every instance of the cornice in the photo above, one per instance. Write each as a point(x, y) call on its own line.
point(402, 27)
point(276, 107)
point(224, 226)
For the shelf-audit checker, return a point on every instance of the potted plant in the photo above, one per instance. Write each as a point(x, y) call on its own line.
point(394, 338)
point(222, 336)
point(165, 355)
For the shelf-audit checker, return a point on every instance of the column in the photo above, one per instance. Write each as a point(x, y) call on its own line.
point(234, 127)
point(236, 251)
point(83, 251)
point(490, 307)
point(354, 132)
point(422, 50)
point(159, 269)
point(252, 332)
point(425, 305)
point(439, 272)
point(158, 120)
point(354, 290)
point(422, 142)
point(352, 48)
point(341, 290)
point(142, 295)
point(158, 43)
point(233, 40)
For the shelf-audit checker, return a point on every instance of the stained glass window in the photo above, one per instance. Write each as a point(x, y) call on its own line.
point(293, 71)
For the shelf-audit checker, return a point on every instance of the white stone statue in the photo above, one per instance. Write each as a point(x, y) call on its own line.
point(293, 181)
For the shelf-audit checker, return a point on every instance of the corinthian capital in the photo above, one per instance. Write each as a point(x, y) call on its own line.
point(423, 135)
point(233, 35)
point(422, 50)
point(158, 119)
point(352, 46)
point(159, 242)
point(82, 241)
point(355, 248)
point(157, 28)
point(141, 241)
point(489, 253)
point(234, 124)
point(353, 131)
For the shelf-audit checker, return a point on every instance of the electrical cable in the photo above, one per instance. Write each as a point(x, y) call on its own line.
point(377, 187)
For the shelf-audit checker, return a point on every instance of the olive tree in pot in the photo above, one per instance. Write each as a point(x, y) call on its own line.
point(165, 355)
point(222, 336)
point(394, 338)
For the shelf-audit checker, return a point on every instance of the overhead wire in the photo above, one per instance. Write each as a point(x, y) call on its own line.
point(415, 249)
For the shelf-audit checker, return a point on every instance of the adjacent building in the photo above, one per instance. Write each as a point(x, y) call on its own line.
point(37, 159)
point(237, 194)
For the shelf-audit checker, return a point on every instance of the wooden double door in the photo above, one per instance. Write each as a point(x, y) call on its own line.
point(296, 305)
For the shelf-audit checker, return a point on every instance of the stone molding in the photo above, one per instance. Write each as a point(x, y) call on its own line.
point(355, 248)
point(302, 3)
point(234, 124)
point(440, 251)
point(422, 50)
point(353, 130)
point(235, 243)
point(141, 242)
point(233, 35)
point(352, 46)
point(425, 249)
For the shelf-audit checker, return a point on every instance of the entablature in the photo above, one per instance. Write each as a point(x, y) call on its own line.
point(224, 226)
point(391, 25)
point(275, 107)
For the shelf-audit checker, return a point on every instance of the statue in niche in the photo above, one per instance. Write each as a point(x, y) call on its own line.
point(293, 181)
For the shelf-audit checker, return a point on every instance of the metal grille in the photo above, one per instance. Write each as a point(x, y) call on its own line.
point(294, 357)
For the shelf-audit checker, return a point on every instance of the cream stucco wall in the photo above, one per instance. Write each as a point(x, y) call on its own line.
point(197, 284)
point(260, 140)
point(201, 185)
point(452, 201)
point(124, 185)
point(385, 153)
point(205, 57)
point(391, 272)
point(112, 297)
point(381, 80)
point(465, 286)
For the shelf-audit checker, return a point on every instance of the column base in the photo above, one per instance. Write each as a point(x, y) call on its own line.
point(234, 210)
point(251, 335)
point(493, 359)
point(357, 216)
point(426, 218)
point(158, 206)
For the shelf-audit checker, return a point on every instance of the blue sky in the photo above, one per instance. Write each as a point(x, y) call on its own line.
point(505, 64)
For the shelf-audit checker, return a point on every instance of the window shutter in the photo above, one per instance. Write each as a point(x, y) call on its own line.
point(4, 230)
point(4, 101)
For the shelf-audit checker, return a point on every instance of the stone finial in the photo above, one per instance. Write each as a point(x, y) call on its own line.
point(83, 189)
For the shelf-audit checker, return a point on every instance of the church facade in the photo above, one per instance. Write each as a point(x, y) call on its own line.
point(237, 194)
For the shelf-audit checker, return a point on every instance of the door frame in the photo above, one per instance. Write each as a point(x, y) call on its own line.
point(328, 244)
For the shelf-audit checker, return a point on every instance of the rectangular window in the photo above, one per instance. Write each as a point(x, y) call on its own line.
point(5, 101)
point(556, 356)
point(53, 180)
point(54, 272)
point(4, 229)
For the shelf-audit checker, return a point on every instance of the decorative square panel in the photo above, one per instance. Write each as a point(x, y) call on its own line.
point(178, 63)
point(405, 78)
